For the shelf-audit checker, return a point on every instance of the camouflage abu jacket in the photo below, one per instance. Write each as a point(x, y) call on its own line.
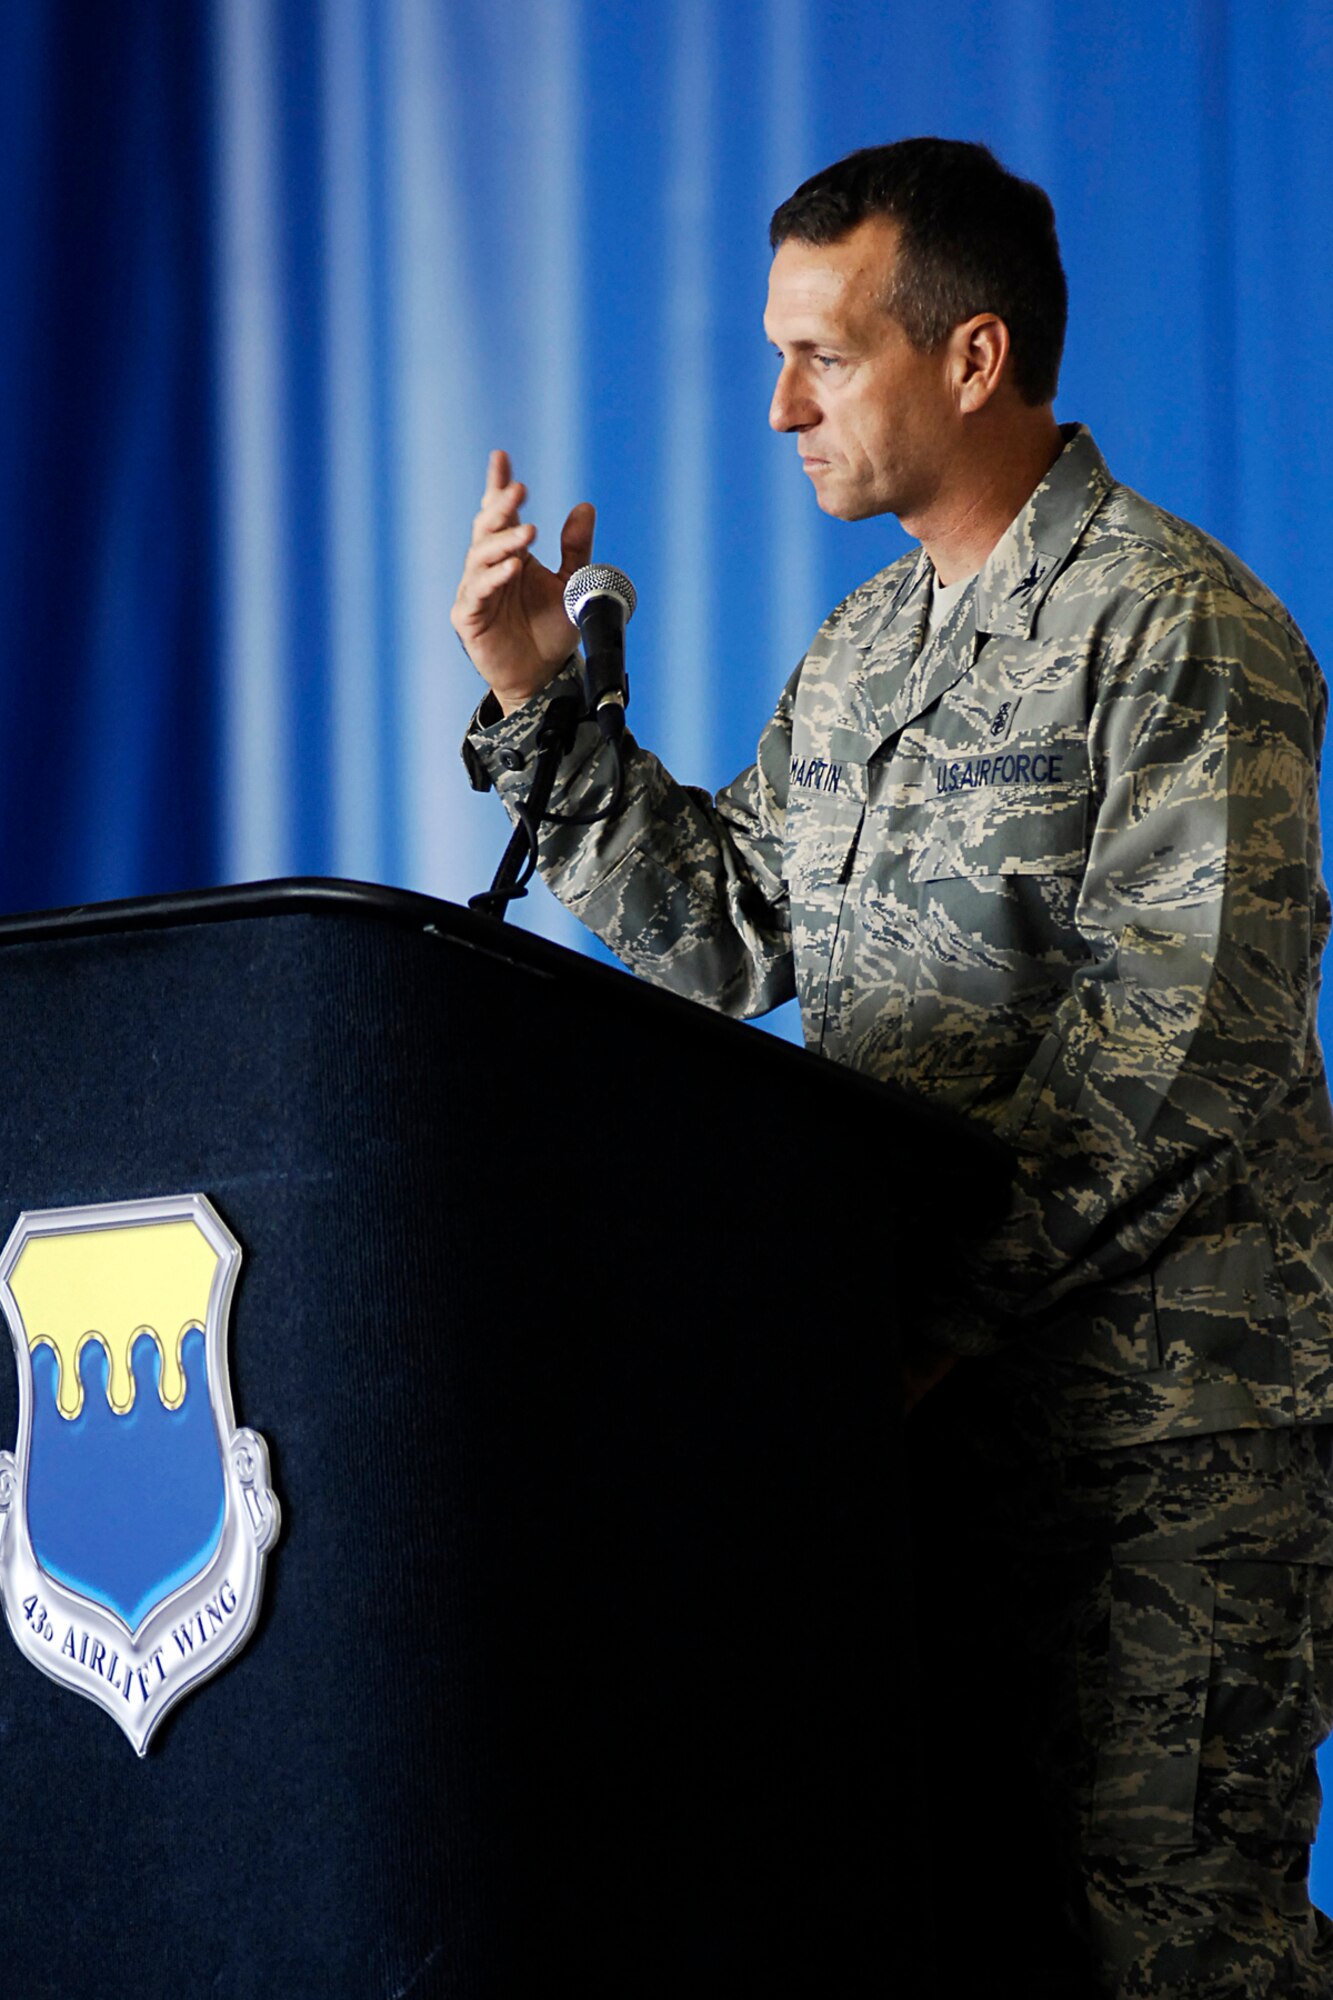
point(1059, 869)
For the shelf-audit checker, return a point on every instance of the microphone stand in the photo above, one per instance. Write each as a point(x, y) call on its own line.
point(555, 739)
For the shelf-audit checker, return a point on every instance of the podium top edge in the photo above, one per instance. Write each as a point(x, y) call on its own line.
point(305, 895)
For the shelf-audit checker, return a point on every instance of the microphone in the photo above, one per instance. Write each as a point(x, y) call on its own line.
point(600, 601)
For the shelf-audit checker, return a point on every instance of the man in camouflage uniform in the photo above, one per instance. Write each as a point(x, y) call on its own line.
point(1034, 829)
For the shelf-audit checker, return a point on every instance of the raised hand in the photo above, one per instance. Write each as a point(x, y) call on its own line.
point(509, 611)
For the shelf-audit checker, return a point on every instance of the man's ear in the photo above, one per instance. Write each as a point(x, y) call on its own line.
point(979, 350)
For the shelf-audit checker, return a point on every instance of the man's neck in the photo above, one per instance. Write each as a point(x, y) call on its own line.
point(962, 526)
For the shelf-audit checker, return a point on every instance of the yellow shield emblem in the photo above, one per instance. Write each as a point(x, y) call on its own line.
point(134, 1515)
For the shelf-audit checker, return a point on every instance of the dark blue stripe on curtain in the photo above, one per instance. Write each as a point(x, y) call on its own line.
point(106, 519)
point(299, 109)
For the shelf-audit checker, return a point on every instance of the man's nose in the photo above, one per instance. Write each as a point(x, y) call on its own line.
point(789, 409)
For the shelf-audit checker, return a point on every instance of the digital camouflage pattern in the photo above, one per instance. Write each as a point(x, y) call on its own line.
point(1155, 1678)
point(1057, 868)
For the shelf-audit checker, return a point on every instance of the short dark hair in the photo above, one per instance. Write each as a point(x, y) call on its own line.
point(975, 238)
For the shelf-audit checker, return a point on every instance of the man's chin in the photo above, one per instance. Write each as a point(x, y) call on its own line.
point(846, 506)
point(830, 501)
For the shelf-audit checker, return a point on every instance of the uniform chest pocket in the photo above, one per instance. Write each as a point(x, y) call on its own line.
point(1003, 830)
point(997, 877)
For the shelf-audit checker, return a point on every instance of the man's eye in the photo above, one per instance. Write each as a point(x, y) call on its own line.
point(828, 360)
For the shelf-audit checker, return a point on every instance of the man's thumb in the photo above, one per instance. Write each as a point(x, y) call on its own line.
point(576, 539)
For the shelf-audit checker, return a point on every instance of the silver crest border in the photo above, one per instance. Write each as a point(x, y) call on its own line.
point(138, 1676)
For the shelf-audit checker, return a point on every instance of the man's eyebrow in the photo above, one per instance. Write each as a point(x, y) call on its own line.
point(808, 346)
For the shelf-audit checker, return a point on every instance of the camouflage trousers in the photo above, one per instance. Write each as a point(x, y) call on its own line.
point(1126, 1668)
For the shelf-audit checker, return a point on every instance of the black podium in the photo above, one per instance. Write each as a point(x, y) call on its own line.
point(568, 1312)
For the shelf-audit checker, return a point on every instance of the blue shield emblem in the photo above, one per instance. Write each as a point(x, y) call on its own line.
point(134, 1515)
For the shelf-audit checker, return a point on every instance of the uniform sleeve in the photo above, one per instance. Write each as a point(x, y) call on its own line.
point(1202, 906)
point(687, 889)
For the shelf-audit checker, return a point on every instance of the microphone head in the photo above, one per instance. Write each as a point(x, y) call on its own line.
point(599, 580)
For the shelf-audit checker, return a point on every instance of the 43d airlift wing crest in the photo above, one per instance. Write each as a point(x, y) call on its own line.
point(134, 1515)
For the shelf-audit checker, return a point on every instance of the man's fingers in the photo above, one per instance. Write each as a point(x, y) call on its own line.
point(502, 542)
point(483, 563)
point(499, 509)
point(498, 474)
point(476, 602)
point(491, 580)
point(576, 538)
point(494, 556)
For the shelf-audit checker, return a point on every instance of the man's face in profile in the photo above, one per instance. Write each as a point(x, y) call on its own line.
point(873, 415)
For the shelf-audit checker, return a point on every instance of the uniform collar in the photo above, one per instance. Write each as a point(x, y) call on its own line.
point(900, 673)
point(1021, 567)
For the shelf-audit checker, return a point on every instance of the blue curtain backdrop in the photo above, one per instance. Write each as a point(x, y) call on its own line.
point(277, 273)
